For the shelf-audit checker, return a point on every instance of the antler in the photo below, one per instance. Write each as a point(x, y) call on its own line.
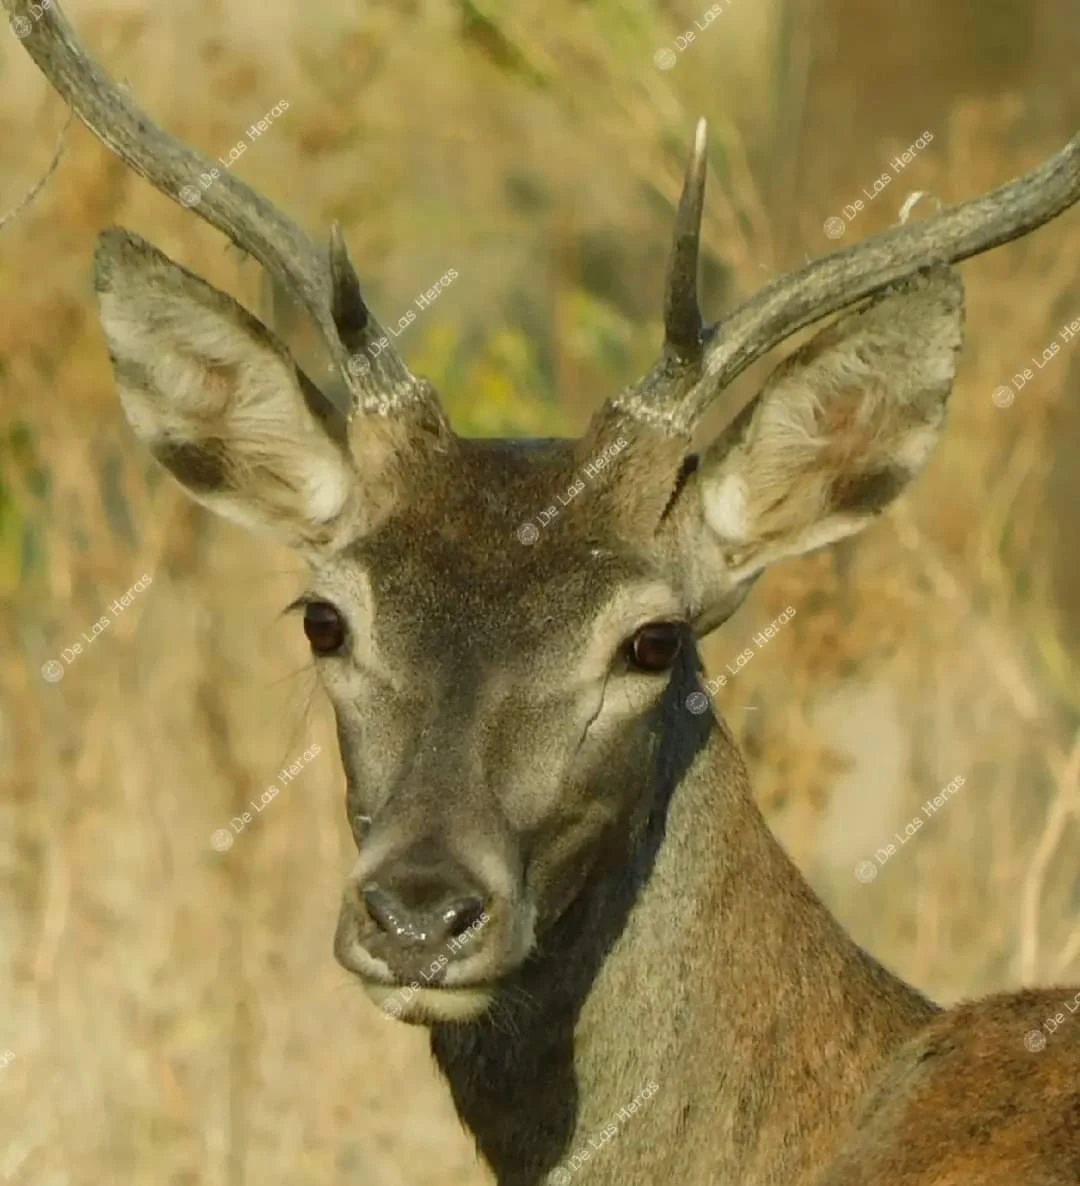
point(696, 364)
point(325, 284)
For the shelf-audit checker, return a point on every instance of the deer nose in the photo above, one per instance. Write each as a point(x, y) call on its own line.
point(419, 908)
point(425, 920)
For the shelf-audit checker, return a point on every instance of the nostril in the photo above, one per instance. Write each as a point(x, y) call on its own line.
point(460, 915)
point(382, 910)
point(428, 923)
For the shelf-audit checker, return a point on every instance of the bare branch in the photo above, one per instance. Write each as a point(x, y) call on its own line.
point(40, 184)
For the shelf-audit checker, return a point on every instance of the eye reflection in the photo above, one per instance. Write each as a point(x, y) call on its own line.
point(324, 627)
point(655, 646)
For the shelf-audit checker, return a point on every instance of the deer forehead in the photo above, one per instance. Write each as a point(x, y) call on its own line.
point(413, 598)
point(452, 575)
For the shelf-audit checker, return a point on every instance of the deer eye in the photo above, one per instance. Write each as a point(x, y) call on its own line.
point(655, 646)
point(324, 627)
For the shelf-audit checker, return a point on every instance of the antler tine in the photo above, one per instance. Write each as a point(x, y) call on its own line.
point(325, 285)
point(837, 280)
point(394, 384)
point(696, 365)
point(655, 400)
point(682, 313)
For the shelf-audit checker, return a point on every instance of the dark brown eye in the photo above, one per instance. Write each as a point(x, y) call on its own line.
point(324, 627)
point(655, 646)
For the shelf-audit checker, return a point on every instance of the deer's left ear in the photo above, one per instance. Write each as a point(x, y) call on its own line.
point(839, 430)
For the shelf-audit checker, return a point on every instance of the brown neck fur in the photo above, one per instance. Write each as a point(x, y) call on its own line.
point(705, 964)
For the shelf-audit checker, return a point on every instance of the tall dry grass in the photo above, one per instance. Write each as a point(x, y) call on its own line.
point(174, 1012)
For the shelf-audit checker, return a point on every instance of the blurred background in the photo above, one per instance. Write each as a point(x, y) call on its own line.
point(171, 1007)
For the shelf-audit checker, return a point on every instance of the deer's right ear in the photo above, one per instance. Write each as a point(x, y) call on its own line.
point(218, 400)
point(837, 433)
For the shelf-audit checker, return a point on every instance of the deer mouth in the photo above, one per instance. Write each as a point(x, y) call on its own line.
point(420, 997)
point(420, 1004)
point(414, 979)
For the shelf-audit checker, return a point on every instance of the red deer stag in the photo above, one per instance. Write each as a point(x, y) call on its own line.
point(570, 857)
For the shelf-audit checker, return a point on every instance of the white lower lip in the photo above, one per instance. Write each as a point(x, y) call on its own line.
point(424, 1006)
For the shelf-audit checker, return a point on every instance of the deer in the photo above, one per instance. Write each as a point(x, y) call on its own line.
point(625, 978)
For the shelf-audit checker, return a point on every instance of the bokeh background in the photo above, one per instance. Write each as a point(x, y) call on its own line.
point(172, 1012)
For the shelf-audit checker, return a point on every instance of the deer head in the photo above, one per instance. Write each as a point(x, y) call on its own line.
point(504, 698)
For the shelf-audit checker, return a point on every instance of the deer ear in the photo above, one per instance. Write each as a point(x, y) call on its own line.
point(839, 430)
point(218, 400)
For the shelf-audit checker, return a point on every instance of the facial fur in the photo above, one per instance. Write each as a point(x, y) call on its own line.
point(489, 716)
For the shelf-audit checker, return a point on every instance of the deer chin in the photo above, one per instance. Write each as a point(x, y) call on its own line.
point(429, 1006)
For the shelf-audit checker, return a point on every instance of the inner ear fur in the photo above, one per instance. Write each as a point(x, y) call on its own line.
point(839, 429)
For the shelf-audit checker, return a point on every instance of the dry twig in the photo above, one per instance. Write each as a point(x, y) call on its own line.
point(39, 185)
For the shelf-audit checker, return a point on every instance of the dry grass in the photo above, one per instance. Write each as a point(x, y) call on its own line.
point(174, 1012)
